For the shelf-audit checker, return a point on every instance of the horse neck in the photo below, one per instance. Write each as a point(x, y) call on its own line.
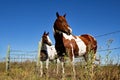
point(44, 46)
point(58, 37)
point(59, 45)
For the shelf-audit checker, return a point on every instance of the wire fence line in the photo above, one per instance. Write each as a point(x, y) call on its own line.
point(24, 51)
point(21, 55)
point(108, 49)
point(106, 34)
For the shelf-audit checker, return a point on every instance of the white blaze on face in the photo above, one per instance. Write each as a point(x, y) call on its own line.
point(49, 39)
point(81, 45)
point(53, 30)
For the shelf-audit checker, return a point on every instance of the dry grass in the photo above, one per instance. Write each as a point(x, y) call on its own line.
point(28, 71)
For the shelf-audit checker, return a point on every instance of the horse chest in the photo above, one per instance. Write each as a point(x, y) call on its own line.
point(51, 52)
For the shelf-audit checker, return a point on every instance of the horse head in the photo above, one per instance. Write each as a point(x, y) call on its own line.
point(46, 39)
point(61, 24)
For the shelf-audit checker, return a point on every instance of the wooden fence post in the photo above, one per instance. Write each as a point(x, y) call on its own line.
point(8, 59)
point(39, 49)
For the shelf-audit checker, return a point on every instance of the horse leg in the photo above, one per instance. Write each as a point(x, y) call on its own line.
point(73, 66)
point(71, 56)
point(57, 64)
point(62, 64)
point(41, 68)
point(63, 69)
point(47, 64)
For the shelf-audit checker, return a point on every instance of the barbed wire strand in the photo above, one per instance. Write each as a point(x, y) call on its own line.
point(23, 51)
point(109, 49)
point(108, 33)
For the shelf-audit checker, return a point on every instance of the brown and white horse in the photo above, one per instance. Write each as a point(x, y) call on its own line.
point(48, 52)
point(67, 44)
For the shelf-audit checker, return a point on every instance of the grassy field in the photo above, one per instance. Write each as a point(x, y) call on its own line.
point(28, 71)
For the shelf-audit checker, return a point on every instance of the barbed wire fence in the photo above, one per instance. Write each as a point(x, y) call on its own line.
point(21, 56)
point(110, 52)
point(107, 34)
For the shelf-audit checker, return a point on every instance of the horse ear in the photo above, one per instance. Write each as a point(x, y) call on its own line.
point(44, 32)
point(48, 33)
point(57, 14)
point(64, 15)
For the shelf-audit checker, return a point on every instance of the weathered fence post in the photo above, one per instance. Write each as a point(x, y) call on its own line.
point(8, 59)
point(39, 49)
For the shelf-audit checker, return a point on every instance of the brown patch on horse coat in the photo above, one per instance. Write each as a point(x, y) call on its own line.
point(43, 55)
point(71, 47)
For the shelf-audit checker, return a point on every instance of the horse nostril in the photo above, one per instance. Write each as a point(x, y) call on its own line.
point(50, 44)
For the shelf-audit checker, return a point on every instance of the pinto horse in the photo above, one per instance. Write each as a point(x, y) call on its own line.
point(48, 52)
point(67, 44)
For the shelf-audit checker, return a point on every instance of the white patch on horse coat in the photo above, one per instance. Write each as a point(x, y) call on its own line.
point(80, 44)
point(69, 37)
point(51, 52)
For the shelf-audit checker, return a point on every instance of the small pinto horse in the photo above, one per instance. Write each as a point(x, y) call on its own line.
point(69, 45)
point(47, 53)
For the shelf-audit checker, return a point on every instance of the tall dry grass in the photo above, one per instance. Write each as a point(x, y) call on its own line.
point(27, 71)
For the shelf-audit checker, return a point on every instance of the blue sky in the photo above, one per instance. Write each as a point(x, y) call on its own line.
point(22, 22)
